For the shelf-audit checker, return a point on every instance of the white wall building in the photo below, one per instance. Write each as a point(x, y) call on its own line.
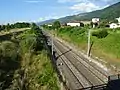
point(95, 20)
point(118, 19)
point(114, 25)
point(50, 25)
point(73, 24)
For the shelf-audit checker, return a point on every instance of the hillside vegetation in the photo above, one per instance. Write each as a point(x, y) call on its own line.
point(25, 64)
point(109, 14)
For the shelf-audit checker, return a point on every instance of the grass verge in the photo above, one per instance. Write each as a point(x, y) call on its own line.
point(107, 48)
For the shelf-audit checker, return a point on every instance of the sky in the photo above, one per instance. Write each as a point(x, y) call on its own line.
point(12, 11)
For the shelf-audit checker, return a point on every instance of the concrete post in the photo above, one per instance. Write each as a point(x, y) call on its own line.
point(88, 49)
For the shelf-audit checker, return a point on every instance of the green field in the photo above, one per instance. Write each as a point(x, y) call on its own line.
point(107, 48)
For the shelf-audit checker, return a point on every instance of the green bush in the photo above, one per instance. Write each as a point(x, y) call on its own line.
point(100, 34)
point(8, 50)
point(72, 30)
point(65, 29)
point(31, 40)
point(28, 44)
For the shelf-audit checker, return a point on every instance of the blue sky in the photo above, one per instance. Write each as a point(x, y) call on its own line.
point(40, 10)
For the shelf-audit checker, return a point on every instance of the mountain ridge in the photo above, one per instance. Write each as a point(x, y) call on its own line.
point(109, 13)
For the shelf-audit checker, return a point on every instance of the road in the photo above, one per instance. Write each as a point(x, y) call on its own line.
point(9, 34)
point(77, 71)
point(13, 31)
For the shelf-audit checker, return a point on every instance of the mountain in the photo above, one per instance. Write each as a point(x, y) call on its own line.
point(46, 22)
point(109, 13)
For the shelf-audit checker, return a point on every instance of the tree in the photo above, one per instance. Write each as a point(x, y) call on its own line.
point(0, 27)
point(21, 25)
point(8, 50)
point(56, 25)
point(33, 26)
point(100, 34)
point(7, 27)
point(82, 24)
point(3, 27)
point(103, 23)
point(28, 43)
point(12, 26)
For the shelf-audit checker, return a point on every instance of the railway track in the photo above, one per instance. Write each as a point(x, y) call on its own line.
point(69, 76)
point(75, 72)
point(90, 67)
point(85, 73)
point(106, 74)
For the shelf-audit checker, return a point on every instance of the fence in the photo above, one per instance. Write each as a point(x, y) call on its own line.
point(97, 87)
point(113, 84)
point(113, 77)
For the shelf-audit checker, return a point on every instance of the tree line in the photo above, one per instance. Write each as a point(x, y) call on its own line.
point(15, 25)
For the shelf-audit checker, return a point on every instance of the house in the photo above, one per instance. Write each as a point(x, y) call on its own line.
point(50, 25)
point(118, 20)
point(114, 25)
point(95, 22)
point(74, 23)
point(86, 22)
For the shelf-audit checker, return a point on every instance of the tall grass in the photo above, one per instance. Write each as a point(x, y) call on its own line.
point(107, 48)
point(24, 64)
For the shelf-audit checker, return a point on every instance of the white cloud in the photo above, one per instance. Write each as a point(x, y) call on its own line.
point(33, 1)
point(41, 19)
point(105, 6)
point(65, 1)
point(85, 7)
point(106, 0)
point(84, 1)
point(48, 18)
point(111, 1)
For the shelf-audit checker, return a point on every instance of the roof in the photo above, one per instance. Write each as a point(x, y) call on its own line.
point(113, 24)
point(75, 21)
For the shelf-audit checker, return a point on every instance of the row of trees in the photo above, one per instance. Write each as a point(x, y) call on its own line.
point(16, 25)
point(78, 30)
point(102, 24)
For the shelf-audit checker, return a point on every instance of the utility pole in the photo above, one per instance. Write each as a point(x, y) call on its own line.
point(88, 51)
point(52, 42)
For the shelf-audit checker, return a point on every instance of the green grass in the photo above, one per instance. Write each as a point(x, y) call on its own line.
point(111, 44)
point(107, 48)
point(4, 32)
point(41, 73)
point(76, 36)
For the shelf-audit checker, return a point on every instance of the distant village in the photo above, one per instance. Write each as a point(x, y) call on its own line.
point(95, 22)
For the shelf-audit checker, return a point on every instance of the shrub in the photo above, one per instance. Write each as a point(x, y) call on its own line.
point(28, 43)
point(100, 34)
point(8, 50)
